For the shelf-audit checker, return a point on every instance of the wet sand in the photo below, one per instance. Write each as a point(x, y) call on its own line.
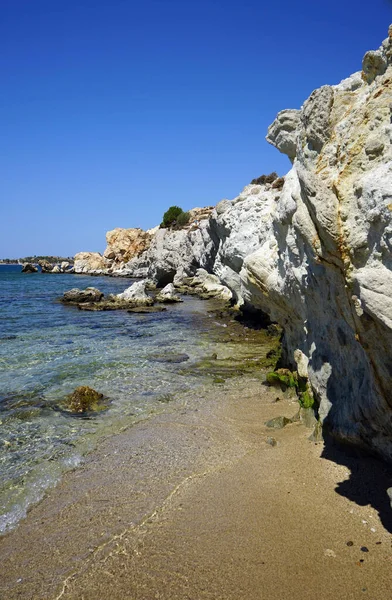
point(196, 504)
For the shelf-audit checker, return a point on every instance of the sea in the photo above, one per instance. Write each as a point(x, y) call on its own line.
point(47, 349)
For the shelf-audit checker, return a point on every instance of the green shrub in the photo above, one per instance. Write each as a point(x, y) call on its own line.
point(171, 215)
point(183, 219)
point(175, 218)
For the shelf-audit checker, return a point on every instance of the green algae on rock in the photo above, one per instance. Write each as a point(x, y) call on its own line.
point(84, 399)
point(284, 378)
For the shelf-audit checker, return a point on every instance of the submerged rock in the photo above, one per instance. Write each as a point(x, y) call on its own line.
point(170, 358)
point(147, 309)
point(84, 399)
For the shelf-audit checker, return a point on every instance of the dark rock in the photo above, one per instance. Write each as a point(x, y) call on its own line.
point(46, 266)
point(76, 296)
point(278, 422)
point(83, 399)
point(29, 268)
point(147, 309)
point(364, 549)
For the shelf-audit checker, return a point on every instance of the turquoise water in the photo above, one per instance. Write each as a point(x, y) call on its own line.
point(47, 349)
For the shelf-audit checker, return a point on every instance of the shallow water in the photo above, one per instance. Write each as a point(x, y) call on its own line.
point(47, 349)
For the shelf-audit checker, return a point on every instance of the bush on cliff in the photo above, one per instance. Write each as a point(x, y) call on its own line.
point(183, 219)
point(171, 215)
point(265, 179)
point(175, 217)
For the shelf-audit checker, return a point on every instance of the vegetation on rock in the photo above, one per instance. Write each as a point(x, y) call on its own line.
point(84, 399)
point(263, 179)
point(284, 378)
point(183, 219)
point(175, 217)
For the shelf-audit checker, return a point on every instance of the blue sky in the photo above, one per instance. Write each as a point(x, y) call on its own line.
point(113, 110)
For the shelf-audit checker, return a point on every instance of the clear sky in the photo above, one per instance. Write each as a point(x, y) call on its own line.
point(113, 110)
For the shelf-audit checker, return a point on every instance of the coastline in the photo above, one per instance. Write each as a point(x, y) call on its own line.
point(195, 503)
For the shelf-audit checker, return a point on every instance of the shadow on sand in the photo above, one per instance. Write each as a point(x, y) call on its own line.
point(369, 478)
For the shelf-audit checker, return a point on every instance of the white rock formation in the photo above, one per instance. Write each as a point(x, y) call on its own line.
point(168, 294)
point(136, 294)
point(322, 263)
point(173, 252)
point(90, 262)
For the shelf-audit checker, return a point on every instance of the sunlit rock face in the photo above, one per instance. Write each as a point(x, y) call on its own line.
point(125, 244)
point(317, 255)
point(90, 262)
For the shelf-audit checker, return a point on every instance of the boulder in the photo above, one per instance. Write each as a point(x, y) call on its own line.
point(125, 244)
point(29, 268)
point(90, 262)
point(136, 295)
point(76, 296)
point(83, 399)
point(168, 294)
point(46, 266)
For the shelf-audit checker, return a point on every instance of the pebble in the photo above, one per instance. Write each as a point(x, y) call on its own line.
point(271, 441)
point(329, 552)
point(350, 543)
point(364, 549)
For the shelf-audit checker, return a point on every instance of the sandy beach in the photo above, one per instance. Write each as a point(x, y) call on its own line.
point(200, 503)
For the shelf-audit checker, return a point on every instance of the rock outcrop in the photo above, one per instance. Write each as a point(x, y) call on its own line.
point(125, 244)
point(136, 294)
point(168, 295)
point(92, 263)
point(320, 260)
point(29, 268)
point(48, 267)
point(94, 300)
point(77, 296)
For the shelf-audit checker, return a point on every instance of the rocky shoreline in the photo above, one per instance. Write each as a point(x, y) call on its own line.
point(312, 250)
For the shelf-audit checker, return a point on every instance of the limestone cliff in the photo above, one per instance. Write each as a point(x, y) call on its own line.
point(322, 267)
